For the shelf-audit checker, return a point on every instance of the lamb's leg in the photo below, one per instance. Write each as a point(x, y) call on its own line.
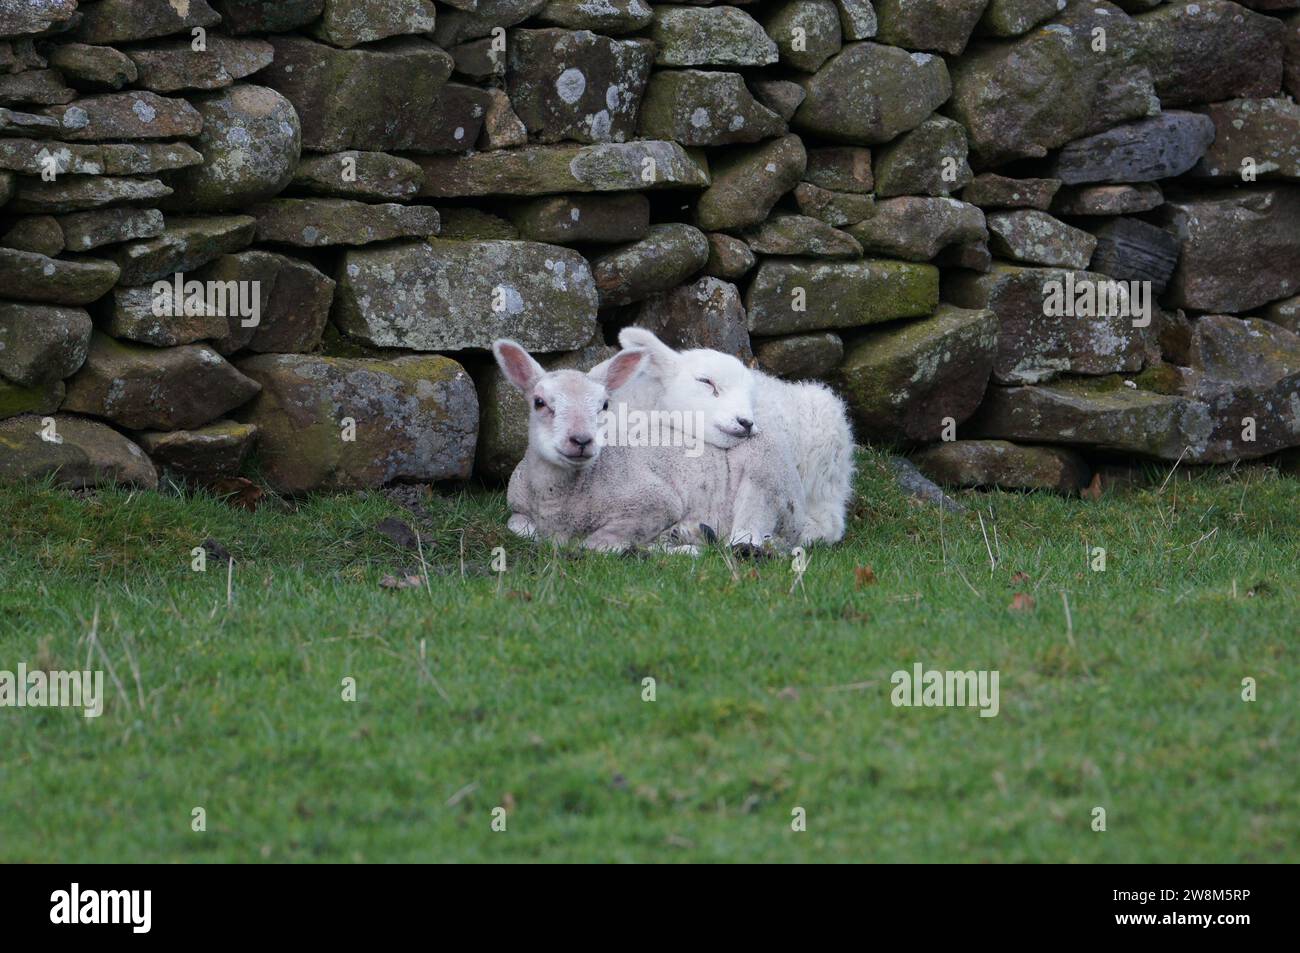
point(754, 518)
point(521, 525)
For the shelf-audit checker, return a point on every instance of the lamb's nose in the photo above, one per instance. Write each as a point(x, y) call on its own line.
point(580, 440)
point(745, 424)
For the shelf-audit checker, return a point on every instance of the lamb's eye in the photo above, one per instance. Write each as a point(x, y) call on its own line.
point(709, 384)
point(538, 403)
point(605, 406)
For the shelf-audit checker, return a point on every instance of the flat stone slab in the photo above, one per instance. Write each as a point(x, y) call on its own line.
point(84, 453)
point(1161, 147)
point(315, 223)
point(792, 295)
point(544, 170)
point(454, 295)
point(1000, 463)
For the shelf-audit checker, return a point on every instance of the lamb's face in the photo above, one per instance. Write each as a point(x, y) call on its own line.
point(717, 388)
point(565, 409)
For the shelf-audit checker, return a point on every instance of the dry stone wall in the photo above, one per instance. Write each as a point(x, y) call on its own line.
point(244, 233)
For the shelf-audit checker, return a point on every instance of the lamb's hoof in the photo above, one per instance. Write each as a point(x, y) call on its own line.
point(632, 552)
point(750, 551)
point(709, 533)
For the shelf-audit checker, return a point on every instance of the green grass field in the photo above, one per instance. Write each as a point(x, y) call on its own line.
point(525, 691)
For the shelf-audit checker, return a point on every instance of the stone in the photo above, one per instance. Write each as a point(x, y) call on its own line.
point(215, 450)
point(35, 233)
point(1285, 313)
point(466, 294)
point(840, 169)
point(729, 257)
point(667, 256)
point(544, 170)
point(380, 98)
point(133, 317)
point(611, 17)
point(801, 236)
point(1007, 18)
point(893, 91)
point(833, 208)
point(1124, 94)
point(86, 454)
point(186, 243)
point(800, 357)
point(904, 382)
point(928, 160)
point(574, 219)
point(349, 23)
point(1260, 137)
point(19, 54)
point(251, 143)
point(74, 193)
point(476, 20)
point(42, 87)
point(414, 418)
point(29, 156)
point(1130, 249)
point(1240, 250)
point(315, 223)
point(1245, 350)
point(175, 66)
point(990, 190)
point(369, 176)
point(30, 277)
point(790, 295)
point(1108, 199)
point(709, 36)
point(1021, 98)
point(1037, 342)
point(698, 108)
point(502, 128)
point(267, 16)
point(940, 26)
point(93, 67)
point(125, 21)
point(806, 32)
point(40, 344)
point(779, 95)
point(243, 275)
point(503, 413)
point(916, 228)
point(83, 231)
point(576, 85)
point(707, 313)
point(480, 60)
point(14, 123)
point(21, 19)
point(1209, 51)
point(1002, 464)
point(136, 114)
point(16, 399)
point(1162, 147)
point(297, 309)
point(148, 388)
point(748, 181)
point(1291, 55)
point(857, 19)
point(1196, 421)
point(1037, 238)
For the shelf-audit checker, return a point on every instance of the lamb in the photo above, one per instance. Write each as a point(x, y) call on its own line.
point(805, 420)
point(574, 483)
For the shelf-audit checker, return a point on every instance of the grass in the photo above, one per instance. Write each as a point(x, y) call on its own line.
point(525, 691)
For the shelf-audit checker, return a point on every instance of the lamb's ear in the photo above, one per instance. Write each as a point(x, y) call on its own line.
point(517, 364)
point(622, 367)
point(663, 359)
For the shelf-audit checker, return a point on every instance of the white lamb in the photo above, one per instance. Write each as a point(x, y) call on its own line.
point(572, 486)
point(742, 406)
